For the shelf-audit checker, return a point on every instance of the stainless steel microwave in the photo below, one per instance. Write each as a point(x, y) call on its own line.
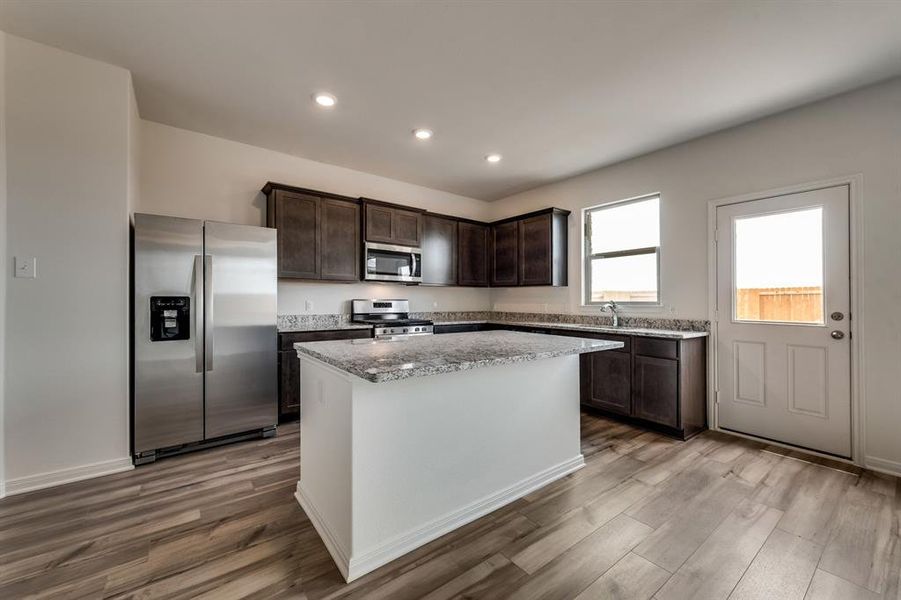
point(387, 262)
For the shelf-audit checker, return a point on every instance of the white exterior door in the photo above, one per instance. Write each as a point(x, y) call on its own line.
point(782, 319)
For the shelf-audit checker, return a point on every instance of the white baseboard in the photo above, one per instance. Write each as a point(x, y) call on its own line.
point(356, 566)
point(321, 526)
point(41, 481)
point(883, 465)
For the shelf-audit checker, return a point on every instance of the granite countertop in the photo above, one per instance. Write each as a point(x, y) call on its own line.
point(638, 331)
point(381, 361)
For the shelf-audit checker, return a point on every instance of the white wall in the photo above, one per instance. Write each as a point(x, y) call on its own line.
point(859, 132)
point(189, 174)
point(134, 149)
point(67, 182)
point(6, 270)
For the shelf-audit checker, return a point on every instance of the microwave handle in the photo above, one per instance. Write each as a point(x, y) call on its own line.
point(413, 270)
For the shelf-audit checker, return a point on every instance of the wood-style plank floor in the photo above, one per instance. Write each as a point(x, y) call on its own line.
point(648, 517)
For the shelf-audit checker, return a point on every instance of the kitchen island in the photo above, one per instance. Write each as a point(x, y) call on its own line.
point(404, 441)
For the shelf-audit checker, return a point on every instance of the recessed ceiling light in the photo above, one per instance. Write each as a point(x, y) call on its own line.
point(423, 134)
point(493, 158)
point(324, 99)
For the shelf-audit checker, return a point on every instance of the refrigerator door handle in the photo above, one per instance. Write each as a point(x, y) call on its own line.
point(208, 311)
point(199, 298)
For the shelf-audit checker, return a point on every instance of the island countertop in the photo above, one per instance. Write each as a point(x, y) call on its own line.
point(381, 361)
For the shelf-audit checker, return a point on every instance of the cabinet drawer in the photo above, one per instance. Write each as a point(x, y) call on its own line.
point(287, 340)
point(657, 347)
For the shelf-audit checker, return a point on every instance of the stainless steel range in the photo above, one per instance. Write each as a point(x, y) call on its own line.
point(389, 318)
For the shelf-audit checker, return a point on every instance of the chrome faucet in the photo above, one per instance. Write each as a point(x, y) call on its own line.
point(612, 307)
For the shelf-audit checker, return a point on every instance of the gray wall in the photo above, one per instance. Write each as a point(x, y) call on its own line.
point(6, 269)
point(855, 133)
point(66, 409)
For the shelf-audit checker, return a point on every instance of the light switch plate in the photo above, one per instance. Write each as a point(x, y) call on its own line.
point(26, 267)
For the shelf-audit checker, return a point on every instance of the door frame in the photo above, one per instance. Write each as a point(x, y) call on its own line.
point(858, 404)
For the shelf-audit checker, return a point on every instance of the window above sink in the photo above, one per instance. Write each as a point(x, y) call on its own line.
point(622, 252)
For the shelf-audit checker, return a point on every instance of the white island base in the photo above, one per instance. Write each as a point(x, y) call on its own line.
point(387, 467)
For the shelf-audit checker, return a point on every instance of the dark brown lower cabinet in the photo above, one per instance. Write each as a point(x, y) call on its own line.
point(289, 365)
point(655, 390)
point(288, 385)
point(661, 383)
point(608, 385)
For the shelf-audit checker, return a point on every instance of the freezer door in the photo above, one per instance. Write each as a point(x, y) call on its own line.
point(240, 357)
point(168, 370)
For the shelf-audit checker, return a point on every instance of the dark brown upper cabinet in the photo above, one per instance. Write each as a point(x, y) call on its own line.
point(318, 233)
point(389, 224)
point(439, 250)
point(505, 254)
point(472, 253)
point(530, 249)
point(536, 251)
point(340, 240)
point(320, 238)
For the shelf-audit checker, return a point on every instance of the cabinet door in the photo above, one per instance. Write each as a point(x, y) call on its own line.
point(472, 258)
point(378, 224)
point(439, 251)
point(535, 251)
point(297, 221)
point(655, 391)
point(288, 384)
point(406, 227)
point(340, 240)
point(610, 384)
point(505, 254)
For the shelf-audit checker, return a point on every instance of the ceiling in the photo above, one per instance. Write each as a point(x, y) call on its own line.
point(557, 88)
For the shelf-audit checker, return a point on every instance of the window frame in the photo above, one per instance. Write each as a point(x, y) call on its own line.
point(588, 256)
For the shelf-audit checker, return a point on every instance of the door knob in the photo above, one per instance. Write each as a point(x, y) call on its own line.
point(837, 335)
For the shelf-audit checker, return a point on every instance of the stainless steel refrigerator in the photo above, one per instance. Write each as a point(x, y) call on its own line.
point(203, 335)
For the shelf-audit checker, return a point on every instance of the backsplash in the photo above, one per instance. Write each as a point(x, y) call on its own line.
point(312, 322)
point(452, 315)
point(624, 321)
point(339, 320)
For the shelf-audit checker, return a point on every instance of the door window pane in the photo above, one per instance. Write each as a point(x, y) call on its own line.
point(624, 278)
point(779, 267)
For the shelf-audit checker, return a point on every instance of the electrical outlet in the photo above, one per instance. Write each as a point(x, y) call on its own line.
point(26, 267)
point(308, 305)
point(434, 305)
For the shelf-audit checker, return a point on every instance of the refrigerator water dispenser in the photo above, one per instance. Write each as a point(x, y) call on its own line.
point(170, 318)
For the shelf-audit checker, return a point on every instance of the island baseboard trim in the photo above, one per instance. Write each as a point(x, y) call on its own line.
point(359, 566)
point(321, 527)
